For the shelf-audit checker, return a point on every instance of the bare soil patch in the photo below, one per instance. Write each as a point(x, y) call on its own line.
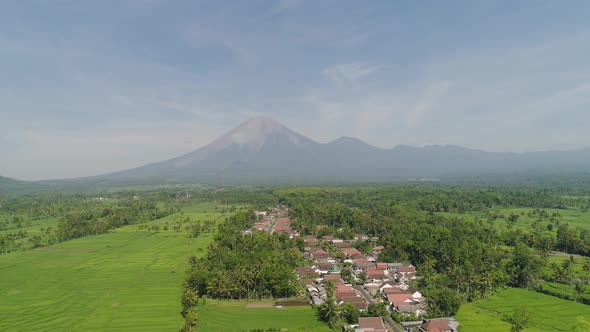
point(292, 303)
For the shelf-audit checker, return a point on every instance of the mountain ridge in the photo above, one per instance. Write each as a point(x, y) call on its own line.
point(263, 149)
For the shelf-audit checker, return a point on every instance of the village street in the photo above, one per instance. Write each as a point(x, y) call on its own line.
point(390, 323)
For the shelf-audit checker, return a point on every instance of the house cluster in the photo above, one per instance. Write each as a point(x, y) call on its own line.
point(329, 257)
point(268, 218)
point(446, 324)
point(336, 261)
point(283, 226)
point(275, 220)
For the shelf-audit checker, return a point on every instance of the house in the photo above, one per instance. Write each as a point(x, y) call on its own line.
point(319, 254)
point(406, 269)
point(310, 240)
point(395, 300)
point(306, 271)
point(362, 264)
point(381, 266)
point(391, 290)
point(439, 325)
point(373, 273)
point(331, 277)
point(411, 326)
point(352, 253)
point(370, 324)
point(410, 310)
point(260, 213)
point(357, 301)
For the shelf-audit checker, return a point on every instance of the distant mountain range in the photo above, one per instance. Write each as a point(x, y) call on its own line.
point(262, 150)
point(10, 185)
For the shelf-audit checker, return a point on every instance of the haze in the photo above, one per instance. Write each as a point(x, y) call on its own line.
point(94, 87)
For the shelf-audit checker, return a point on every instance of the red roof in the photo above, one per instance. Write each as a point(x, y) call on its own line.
point(436, 325)
point(332, 277)
point(371, 323)
point(406, 269)
point(351, 252)
point(382, 266)
point(374, 273)
point(392, 290)
point(399, 299)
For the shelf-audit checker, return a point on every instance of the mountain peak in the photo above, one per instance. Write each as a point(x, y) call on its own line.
point(346, 139)
point(257, 131)
point(261, 122)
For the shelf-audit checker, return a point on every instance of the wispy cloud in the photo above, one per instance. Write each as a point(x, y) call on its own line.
point(350, 72)
point(282, 6)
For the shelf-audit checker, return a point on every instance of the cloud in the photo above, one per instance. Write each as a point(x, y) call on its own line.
point(283, 6)
point(350, 72)
point(427, 102)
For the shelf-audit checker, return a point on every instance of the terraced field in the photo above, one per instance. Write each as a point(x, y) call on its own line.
point(548, 313)
point(125, 280)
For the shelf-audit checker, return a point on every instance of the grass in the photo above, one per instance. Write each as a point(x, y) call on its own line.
point(217, 315)
point(125, 280)
point(548, 313)
point(32, 228)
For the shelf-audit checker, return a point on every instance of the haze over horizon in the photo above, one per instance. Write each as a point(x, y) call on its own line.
point(92, 88)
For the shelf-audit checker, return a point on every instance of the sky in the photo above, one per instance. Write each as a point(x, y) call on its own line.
point(91, 87)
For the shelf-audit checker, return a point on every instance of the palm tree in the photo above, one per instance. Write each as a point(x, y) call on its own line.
point(190, 321)
point(190, 298)
point(329, 312)
point(193, 261)
point(586, 268)
point(579, 289)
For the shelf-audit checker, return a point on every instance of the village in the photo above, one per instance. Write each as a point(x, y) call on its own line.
point(358, 278)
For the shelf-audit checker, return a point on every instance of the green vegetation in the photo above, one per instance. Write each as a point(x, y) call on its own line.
point(221, 315)
point(181, 258)
point(239, 266)
point(127, 279)
point(546, 313)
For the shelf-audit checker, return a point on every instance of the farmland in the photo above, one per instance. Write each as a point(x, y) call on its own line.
point(218, 315)
point(548, 313)
point(127, 279)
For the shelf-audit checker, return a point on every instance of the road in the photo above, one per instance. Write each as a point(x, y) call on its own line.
point(393, 326)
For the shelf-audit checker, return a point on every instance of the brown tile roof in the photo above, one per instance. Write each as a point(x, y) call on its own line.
point(406, 269)
point(371, 323)
point(436, 325)
point(332, 277)
point(381, 266)
point(372, 272)
point(399, 299)
point(392, 290)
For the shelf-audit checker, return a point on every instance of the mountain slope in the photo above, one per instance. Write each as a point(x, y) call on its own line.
point(263, 150)
point(8, 185)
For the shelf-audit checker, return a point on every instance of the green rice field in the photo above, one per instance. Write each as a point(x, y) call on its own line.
point(548, 313)
point(125, 280)
point(229, 316)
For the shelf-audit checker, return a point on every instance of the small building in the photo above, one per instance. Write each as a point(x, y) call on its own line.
point(370, 324)
point(439, 325)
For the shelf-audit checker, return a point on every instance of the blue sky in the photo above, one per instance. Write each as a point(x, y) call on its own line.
point(89, 87)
